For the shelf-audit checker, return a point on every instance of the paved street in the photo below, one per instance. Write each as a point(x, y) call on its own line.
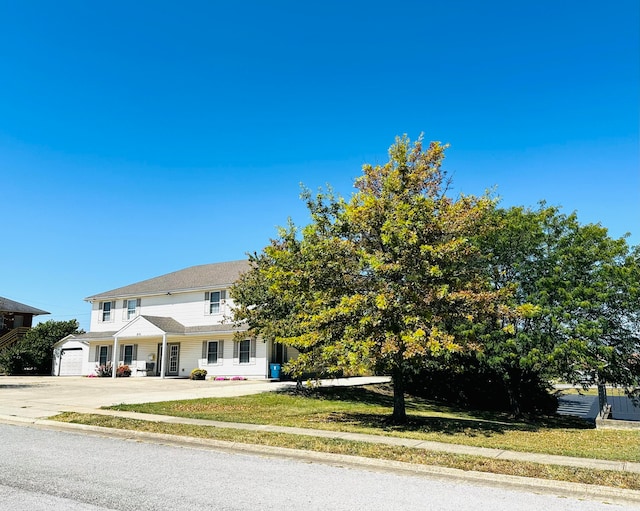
point(51, 470)
point(26, 401)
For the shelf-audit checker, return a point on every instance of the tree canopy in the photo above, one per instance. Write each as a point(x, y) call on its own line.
point(401, 277)
point(574, 310)
point(383, 281)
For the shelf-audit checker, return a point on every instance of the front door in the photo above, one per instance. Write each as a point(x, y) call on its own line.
point(279, 353)
point(173, 360)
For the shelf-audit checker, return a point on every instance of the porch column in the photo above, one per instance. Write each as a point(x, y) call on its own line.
point(114, 357)
point(163, 362)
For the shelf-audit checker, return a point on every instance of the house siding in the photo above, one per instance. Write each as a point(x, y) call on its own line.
point(172, 314)
point(190, 356)
point(188, 308)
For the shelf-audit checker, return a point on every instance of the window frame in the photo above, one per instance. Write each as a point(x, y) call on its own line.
point(237, 359)
point(130, 312)
point(246, 352)
point(106, 311)
point(106, 355)
point(218, 304)
point(206, 352)
point(126, 347)
point(216, 360)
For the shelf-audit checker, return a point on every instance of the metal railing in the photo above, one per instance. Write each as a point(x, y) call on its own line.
point(605, 407)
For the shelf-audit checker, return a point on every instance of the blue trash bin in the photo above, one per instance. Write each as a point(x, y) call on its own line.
point(275, 370)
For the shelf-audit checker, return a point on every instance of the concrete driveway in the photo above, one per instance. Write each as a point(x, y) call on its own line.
point(43, 396)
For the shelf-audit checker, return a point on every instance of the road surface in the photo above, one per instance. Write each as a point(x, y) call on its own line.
point(42, 469)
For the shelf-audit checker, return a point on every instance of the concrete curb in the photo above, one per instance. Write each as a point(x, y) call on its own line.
point(616, 424)
point(559, 488)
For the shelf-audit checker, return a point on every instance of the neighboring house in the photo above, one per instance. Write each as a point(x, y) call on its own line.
point(15, 320)
point(185, 315)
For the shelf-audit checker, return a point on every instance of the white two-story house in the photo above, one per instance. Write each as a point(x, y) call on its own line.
point(167, 326)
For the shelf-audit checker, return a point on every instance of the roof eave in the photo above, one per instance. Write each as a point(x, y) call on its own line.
point(156, 293)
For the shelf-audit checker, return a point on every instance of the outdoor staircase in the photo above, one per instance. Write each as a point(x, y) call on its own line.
point(13, 336)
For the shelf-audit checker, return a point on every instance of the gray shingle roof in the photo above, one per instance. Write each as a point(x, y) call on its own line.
point(168, 325)
point(205, 276)
point(171, 326)
point(88, 336)
point(7, 305)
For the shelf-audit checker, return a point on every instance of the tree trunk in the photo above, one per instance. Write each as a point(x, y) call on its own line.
point(399, 410)
point(513, 391)
point(514, 404)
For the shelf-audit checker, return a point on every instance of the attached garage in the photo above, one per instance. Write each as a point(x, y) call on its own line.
point(71, 360)
point(70, 357)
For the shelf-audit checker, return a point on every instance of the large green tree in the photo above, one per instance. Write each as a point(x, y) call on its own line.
point(34, 352)
point(383, 281)
point(574, 309)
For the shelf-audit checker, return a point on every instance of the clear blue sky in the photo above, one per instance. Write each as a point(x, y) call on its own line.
point(139, 138)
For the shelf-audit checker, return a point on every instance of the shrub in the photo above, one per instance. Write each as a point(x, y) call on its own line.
point(123, 371)
point(198, 374)
point(33, 354)
point(475, 385)
point(104, 371)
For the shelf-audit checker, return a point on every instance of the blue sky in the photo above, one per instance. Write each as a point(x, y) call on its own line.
point(139, 138)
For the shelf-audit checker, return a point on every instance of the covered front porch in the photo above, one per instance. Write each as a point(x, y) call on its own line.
point(162, 347)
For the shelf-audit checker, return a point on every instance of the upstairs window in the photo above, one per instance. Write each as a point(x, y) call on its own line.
point(215, 301)
point(131, 308)
point(105, 311)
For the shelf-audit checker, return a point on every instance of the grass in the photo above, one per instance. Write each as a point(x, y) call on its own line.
point(367, 409)
point(404, 454)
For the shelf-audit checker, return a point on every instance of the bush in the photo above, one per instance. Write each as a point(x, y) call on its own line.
point(198, 374)
point(123, 371)
point(104, 371)
point(33, 354)
point(13, 361)
point(474, 385)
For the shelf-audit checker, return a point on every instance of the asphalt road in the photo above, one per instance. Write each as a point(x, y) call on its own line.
point(51, 470)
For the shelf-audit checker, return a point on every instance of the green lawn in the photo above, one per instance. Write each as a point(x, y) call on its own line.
point(367, 409)
point(337, 446)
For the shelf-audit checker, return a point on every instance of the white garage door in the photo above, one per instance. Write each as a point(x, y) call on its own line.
point(71, 362)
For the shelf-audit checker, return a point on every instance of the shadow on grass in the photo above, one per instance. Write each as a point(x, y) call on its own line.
point(453, 426)
point(459, 420)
